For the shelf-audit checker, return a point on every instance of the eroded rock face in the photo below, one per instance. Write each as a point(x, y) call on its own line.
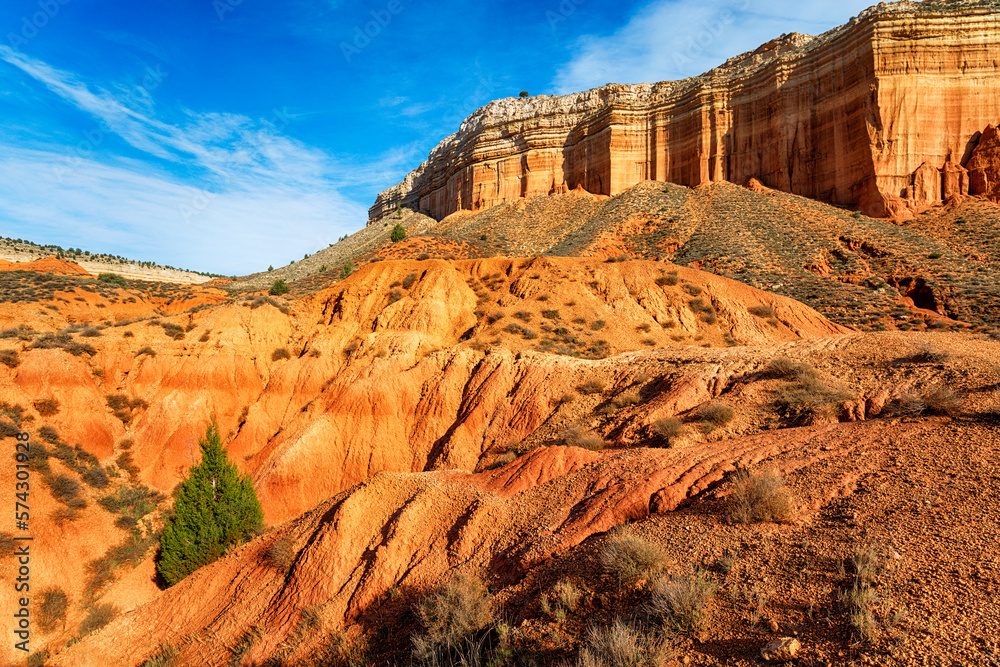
point(876, 114)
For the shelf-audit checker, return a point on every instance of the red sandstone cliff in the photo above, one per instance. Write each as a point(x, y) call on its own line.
point(883, 114)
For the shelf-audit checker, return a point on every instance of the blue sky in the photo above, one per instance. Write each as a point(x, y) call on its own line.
point(227, 135)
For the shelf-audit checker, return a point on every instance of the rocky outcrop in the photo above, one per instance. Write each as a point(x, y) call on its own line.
point(879, 114)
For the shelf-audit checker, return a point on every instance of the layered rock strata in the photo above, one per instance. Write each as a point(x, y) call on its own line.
point(883, 114)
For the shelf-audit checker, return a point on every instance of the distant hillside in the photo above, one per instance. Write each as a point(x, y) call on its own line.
point(861, 272)
point(22, 250)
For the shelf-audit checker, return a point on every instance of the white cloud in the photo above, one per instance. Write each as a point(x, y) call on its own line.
point(674, 39)
point(258, 196)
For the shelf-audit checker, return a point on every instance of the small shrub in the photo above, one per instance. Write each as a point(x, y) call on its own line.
point(568, 596)
point(591, 387)
point(409, 280)
point(669, 429)
point(453, 614)
point(785, 368)
point(523, 315)
point(620, 645)
point(347, 269)
point(204, 338)
point(90, 332)
point(48, 434)
point(398, 233)
point(279, 287)
point(7, 545)
point(64, 489)
point(943, 401)
point(281, 554)
point(423, 257)
point(96, 477)
point(114, 279)
point(716, 415)
point(629, 557)
point(576, 435)
point(679, 601)
point(166, 656)
point(693, 290)
point(128, 334)
point(280, 353)
point(810, 397)
point(493, 318)
point(597, 325)
point(668, 280)
point(626, 399)
point(52, 609)
point(550, 314)
point(46, 407)
point(395, 294)
point(148, 351)
point(758, 498)
point(98, 617)
point(10, 358)
point(764, 312)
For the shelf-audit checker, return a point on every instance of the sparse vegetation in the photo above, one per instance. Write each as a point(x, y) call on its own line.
point(591, 387)
point(715, 414)
point(576, 435)
point(10, 358)
point(668, 429)
point(810, 397)
point(629, 557)
point(114, 279)
point(764, 312)
point(680, 601)
point(52, 608)
point(280, 353)
point(621, 645)
point(46, 407)
point(281, 554)
point(758, 498)
point(98, 617)
point(398, 233)
point(451, 618)
point(279, 287)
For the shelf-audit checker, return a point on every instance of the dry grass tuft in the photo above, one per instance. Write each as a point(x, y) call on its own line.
point(680, 601)
point(669, 429)
point(629, 557)
point(576, 435)
point(451, 617)
point(281, 554)
point(758, 498)
point(620, 645)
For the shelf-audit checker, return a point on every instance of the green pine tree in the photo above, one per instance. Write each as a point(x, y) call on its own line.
point(398, 233)
point(216, 508)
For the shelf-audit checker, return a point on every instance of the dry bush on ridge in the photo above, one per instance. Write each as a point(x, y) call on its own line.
point(99, 616)
point(576, 435)
point(280, 353)
point(679, 601)
point(625, 399)
point(758, 498)
point(281, 554)
point(629, 557)
point(715, 415)
point(47, 407)
point(765, 312)
point(810, 397)
point(669, 429)
point(591, 387)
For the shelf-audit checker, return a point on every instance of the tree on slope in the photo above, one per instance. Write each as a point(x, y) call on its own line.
point(216, 508)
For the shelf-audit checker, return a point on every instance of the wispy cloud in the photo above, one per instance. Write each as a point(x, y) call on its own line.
point(674, 39)
point(256, 197)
